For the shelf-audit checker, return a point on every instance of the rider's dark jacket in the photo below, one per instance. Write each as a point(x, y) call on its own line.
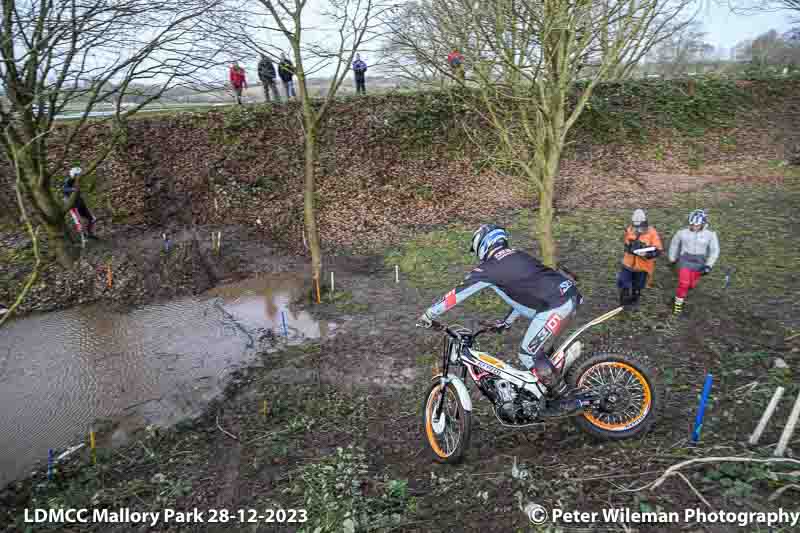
point(523, 282)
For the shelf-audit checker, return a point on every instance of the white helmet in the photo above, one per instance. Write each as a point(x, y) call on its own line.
point(75, 171)
point(639, 220)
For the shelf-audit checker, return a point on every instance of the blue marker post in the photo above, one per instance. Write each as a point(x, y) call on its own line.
point(49, 464)
point(285, 329)
point(701, 410)
point(166, 242)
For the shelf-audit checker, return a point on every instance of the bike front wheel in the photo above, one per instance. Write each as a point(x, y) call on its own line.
point(447, 434)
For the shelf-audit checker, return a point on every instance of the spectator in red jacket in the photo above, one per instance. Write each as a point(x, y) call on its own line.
point(456, 62)
point(238, 81)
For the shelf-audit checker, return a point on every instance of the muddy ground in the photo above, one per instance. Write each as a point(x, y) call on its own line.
point(341, 437)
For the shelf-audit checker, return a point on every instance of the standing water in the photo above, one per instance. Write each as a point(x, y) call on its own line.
point(156, 364)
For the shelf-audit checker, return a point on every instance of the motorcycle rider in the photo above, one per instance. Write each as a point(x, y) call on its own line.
point(547, 297)
point(695, 249)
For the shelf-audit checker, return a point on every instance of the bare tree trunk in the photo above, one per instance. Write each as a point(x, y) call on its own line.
point(308, 203)
point(544, 228)
point(49, 214)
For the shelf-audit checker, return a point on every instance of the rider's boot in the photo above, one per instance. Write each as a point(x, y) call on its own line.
point(624, 296)
point(635, 297)
point(550, 377)
point(91, 234)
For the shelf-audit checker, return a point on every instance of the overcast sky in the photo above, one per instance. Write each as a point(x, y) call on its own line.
point(726, 29)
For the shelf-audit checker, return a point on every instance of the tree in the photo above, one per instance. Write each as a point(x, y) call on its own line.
point(681, 49)
point(329, 46)
point(525, 58)
point(60, 55)
point(770, 50)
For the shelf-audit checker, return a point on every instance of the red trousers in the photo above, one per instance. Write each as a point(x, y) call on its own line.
point(687, 279)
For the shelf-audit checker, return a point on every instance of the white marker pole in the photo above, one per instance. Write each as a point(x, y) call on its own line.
point(331, 282)
point(762, 424)
point(396, 274)
point(789, 429)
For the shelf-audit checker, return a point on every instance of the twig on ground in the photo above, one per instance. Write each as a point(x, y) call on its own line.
point(231, 435)
point(696, 492)
point(752, 385)
point(143, 402)
point(268, 434)
point(775, 495)
point(676, 467)
point(614, 476)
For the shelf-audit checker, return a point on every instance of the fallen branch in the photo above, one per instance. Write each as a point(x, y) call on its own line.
point(133, 406)
point(775, 495)
point(675, 468)
point(231, 435)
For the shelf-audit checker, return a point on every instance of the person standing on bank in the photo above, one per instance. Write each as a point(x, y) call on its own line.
point(238, 81)
point(360, 69)
point(266, 73)
point(286, 72)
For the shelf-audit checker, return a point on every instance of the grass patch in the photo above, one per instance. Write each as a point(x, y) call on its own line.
point(335, 500)
point(753, 223)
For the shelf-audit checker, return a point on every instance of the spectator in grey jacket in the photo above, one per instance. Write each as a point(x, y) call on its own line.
point(695, 249)
point(266, 73)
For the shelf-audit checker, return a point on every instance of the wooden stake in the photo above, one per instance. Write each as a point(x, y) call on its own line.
point(319, 300)
point(762, 424)
point(109, 276)
point(264, 410)
point(93, 446)
point(789, 429)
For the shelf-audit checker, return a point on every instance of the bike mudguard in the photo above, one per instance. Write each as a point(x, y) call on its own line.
point(559, 354)
point(461, 390)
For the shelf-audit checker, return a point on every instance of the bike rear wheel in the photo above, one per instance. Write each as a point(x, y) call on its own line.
point(630, 397)
point(447, 435)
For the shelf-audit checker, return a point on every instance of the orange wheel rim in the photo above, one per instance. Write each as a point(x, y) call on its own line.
point(633, 380)
point(429, 414)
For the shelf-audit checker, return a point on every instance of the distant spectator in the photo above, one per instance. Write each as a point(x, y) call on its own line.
point(266, 73)
point(359, 69)
point(286, 72)
point(456, 62)
point(238, 81)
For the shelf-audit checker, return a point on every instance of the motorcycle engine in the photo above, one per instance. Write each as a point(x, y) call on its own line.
point(512, 405)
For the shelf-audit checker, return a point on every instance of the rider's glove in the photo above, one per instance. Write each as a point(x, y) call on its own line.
point(501, 325)
point(706, 270)
point(425, 321)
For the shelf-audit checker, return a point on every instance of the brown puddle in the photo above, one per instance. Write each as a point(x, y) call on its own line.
point(156, 364)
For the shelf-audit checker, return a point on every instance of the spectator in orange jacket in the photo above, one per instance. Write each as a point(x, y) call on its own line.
point(642, 246)
point(238, 81)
